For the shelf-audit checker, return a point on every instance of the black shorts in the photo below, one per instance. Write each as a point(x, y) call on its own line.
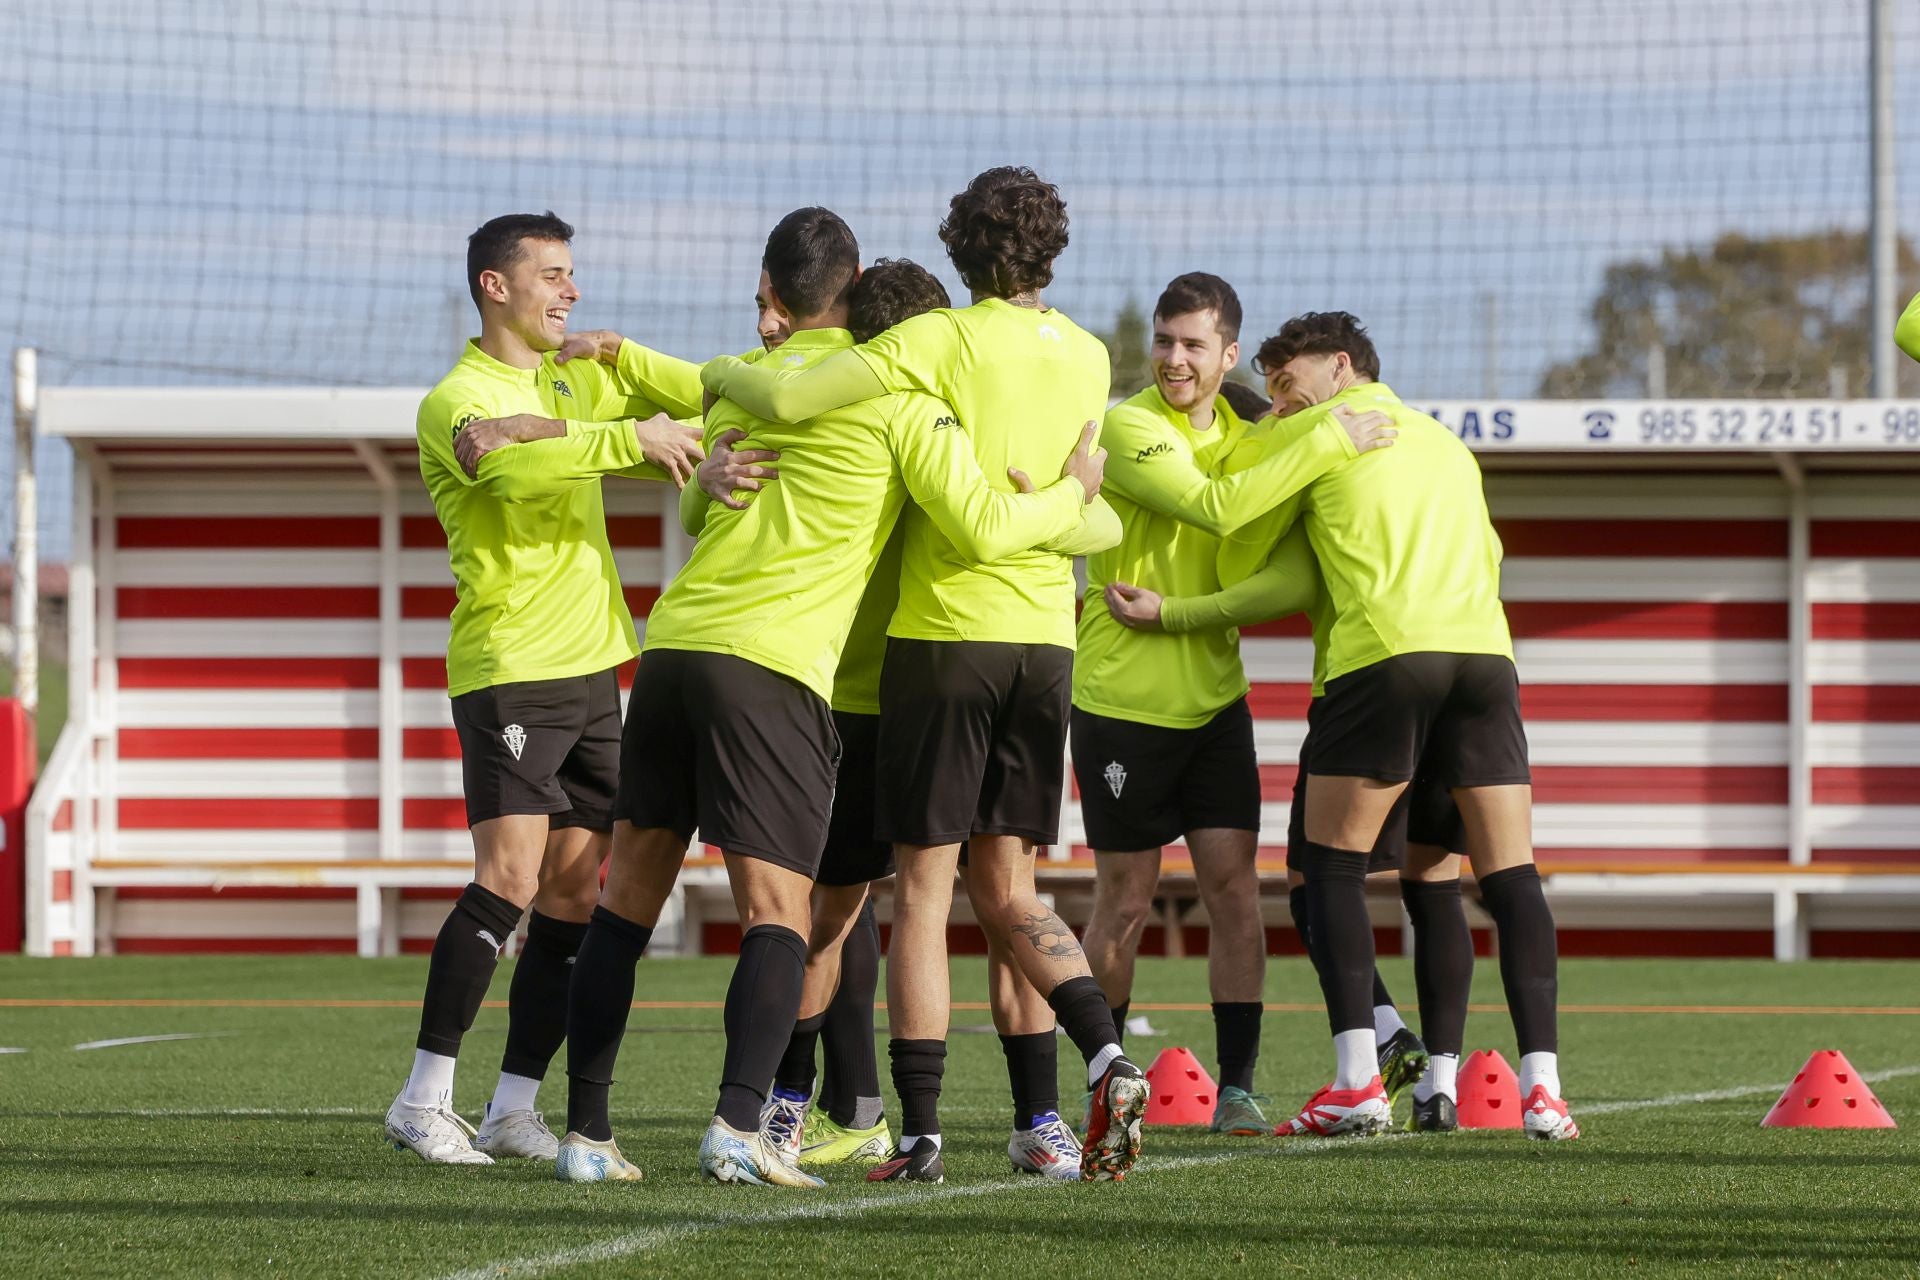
point(1143, 785)
point(973, 738)
point(1455, 716)
point(852, 854)
point(541, 746)
point(739, 752)
point(1424, 814)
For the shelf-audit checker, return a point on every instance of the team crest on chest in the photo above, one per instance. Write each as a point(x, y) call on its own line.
point(563, 388)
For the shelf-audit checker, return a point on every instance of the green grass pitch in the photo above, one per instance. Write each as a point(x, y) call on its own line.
point(256, 1149)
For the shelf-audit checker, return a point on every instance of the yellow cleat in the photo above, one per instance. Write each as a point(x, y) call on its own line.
point(824, 1142)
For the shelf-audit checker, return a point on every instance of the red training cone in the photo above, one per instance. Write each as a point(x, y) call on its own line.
point(1489, 1092)
point(1828, 1094)
point(1183, 1092)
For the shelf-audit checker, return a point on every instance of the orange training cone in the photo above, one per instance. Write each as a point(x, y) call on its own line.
point(1183, 1092)
point(1828, 1094)
point(1489, 1092)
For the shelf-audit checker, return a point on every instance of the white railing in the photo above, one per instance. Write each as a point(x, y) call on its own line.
point(48, 850)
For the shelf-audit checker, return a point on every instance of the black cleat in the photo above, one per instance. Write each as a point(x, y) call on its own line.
point(922, 1164)
point(1403, 1060)
point(1435, 1115)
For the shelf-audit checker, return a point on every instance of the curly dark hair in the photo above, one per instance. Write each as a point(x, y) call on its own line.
point(1004, 231)
point(1245, 401)
point(889, 291)
point(1320, 333)
point(497, 245)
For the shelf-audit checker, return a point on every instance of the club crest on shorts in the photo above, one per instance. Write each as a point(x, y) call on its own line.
point(1116, 775)
point(516, 739)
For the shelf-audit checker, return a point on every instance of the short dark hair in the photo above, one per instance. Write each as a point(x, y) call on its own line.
point(1004, 231)
point(1200, 291)
point(1245, 401)
point(889, 291)
point(496, 245)
point(1320, 333)
point(811, 260)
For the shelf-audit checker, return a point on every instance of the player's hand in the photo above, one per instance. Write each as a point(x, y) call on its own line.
point(597, 344)
point(727, 469)
point(1134, 607)
point(668, 445)
point(483, 435)
point(1088, 462)
point(1368, 430)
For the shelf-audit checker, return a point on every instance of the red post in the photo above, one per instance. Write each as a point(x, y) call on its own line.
point(19, 756)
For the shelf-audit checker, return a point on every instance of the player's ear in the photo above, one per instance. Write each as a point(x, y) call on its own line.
point(1230, 358)
point(493, 284)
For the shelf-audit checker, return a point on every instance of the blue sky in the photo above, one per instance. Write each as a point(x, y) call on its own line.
point(211, 191)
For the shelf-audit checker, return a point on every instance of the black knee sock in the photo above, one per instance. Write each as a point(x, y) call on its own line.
point(1236, 1041)
point(918, 1066)
point(1120, 1021)
point(1297, 908)
point(465, 954)
point(795, 1072)
point(762, 1000)
point(1529, 955)
point(537, 1001)
point(1033, 1072)
point(1337, 894)
point(853, 1071)
point(1442, 961)
point(1380, 993)
point(597, 1006)
point(1084, 1014)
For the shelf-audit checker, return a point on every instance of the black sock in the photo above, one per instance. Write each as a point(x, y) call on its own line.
point(465, 954)
point(1442, 961)
point(853, 1070)
point(1120, 1021)
point(1236, 1041)
point(1529, 955)
point(762, 1000)
point(1337, 897)
point(1380, 993)
point(918, 1066)
point(795, 1072)
point(1033, 1071)
point(1084, 1014)
point(537, 1001)
point(597, 1006)
point(1298, 909)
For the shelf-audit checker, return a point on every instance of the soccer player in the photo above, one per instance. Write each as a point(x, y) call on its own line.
point(1162, 735)
point(729, 727)
point(1419, 676)
point(539, 626)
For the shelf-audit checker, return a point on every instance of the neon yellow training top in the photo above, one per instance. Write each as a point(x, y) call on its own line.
point(1906, 333)
point(538, 595)
point(1175, 497)
point(1406, 547)
point(1023, 382)
point(780, 582)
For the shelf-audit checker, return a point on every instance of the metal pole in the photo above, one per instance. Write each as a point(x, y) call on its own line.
point(1490, 345)
point(26, 533)
point(1883, 231)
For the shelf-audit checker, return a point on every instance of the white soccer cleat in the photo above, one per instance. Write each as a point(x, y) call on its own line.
point(522, 1134)
point(1546, 1117)
point(783, 1121)
point(581, 1159)
point(749, 1159)
point(1334, 1113)
point(1049, 1149)
point(435, 1134)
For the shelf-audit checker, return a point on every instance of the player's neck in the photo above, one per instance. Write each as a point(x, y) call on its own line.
point(1030, 299)
point(1201, 416)
point(831, 318)
point(506, 346)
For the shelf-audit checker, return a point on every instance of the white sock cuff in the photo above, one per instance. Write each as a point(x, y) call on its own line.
point(430, 1083)
point(513, 1093)
point(1386, 1021)
point(1540, 1068)
point(1098, 1065)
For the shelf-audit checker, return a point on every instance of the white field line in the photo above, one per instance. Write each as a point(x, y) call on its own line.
point(1723, 1095)
point(125, 1040)
point(6, 1050)
point(214, 1113)
point(652, 1238)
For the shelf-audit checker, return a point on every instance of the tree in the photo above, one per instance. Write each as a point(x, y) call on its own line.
point(1743, 317)
point(1127, 349)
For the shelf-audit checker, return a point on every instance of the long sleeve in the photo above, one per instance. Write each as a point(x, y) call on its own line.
point(536, 468)
point(1906, 333)
point(667, 381)
point(694, 507)
point(1288, 583)
point(937, 462)
point(1098, 530)
point(1144, 465)
point(841, 379)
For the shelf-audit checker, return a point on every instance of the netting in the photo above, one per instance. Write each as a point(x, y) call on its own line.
point(234, 191)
